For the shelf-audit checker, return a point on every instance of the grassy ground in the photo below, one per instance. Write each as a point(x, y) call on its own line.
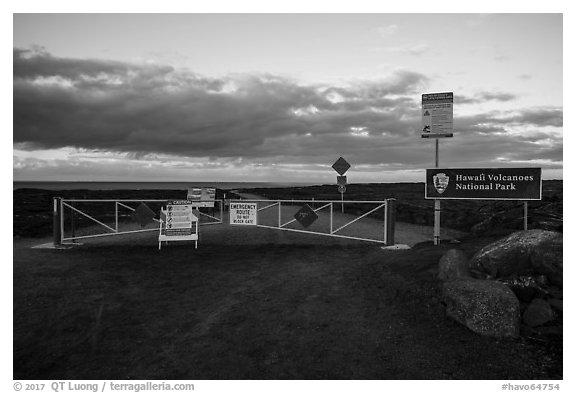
point(250, 303)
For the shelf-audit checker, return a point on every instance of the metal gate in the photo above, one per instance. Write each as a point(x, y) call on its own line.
point(75, 219)
point(339, 219)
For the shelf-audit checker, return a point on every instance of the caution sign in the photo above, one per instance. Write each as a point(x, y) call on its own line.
point(341, 166)
point(179, 218)
point(178, 223)
point(243, 213)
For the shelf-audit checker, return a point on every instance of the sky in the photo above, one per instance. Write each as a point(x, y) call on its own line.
point(280, 97)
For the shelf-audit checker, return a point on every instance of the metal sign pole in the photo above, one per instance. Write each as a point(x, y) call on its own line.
point(437, 117)
point(437, 209)
point(525, 215)
point(342, 195)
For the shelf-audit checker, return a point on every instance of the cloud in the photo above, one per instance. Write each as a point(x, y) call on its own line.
point(532, 117)
point(387, 31)
point(250, 120)
point(150, 108)
point(414, 50)
point(483, 97)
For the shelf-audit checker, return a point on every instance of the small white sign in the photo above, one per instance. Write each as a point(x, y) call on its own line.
point(202, 197)
point(243, 213)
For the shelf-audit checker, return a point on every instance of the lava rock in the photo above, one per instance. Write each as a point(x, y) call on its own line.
point(521, 253)
point(486, 307)
point(538, 313)
point(453, 265)
point(556, 304)
point(547, 259)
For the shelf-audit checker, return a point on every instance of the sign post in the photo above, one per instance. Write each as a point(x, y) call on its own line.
point(342, 190)
point(341, 166)
point(437, 119)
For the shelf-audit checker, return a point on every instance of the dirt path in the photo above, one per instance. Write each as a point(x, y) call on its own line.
point(247, 308)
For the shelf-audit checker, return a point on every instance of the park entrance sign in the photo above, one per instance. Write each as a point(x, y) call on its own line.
point(484, 183)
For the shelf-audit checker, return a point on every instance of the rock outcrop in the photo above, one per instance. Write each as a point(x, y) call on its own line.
point(486, 307)
point(522, 271)
point(538, 313)
point(524, 252)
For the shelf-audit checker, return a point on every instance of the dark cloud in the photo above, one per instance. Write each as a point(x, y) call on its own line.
point(149, 108)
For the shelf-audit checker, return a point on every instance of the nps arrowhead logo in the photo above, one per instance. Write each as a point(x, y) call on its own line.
point(441, 182)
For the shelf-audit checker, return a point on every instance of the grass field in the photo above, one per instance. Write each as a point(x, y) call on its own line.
point(250, 303)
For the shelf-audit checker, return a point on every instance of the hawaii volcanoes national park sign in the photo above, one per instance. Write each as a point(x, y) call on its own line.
point(488, 183)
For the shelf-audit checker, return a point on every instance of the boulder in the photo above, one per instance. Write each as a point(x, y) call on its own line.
point(521, 253)
point(453, 265)
point(556, 304)
point(547, 259)
point(538, 313)
point(486, 307)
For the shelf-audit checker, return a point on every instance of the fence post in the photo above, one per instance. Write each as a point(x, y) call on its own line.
point(390, 221)
point(56, 227)
point(72, 224)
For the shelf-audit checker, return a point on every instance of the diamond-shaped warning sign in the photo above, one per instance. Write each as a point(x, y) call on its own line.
point(306, 216)
point(341, 166)
point(143, 215)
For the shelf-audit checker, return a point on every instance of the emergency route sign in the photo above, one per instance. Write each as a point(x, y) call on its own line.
point(243, 213)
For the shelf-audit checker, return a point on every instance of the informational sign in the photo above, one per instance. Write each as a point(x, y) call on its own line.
point(179, 218)
point(202, 197)
point(178, 223)
point(306, 216)
point(341, 180)
point(341, 166)
point(485, 183)
point(437, 115)
point(194, 194)
point(243, 213)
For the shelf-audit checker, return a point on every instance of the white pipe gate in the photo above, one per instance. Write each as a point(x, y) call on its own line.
point(337, 222)
point(62, 234)
point(65, 230)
